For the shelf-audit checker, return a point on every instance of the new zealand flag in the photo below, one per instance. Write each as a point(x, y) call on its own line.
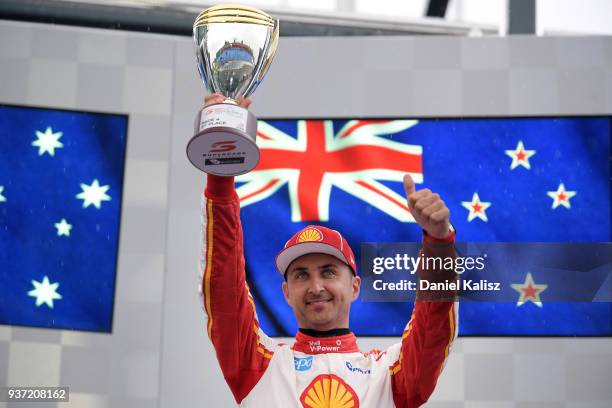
point(504, 180)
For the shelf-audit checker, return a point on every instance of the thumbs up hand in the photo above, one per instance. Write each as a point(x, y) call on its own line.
point(428, 209)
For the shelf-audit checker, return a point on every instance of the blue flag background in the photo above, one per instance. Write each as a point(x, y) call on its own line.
point(462, 157)
point(74, 272)
point(40, 184)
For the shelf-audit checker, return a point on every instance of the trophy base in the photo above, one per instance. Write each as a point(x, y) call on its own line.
point(224, 140)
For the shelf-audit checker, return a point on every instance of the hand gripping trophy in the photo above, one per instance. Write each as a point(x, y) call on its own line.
point(235, 46)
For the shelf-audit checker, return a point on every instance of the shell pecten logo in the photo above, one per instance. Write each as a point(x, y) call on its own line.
point(329, 391)
point(309, 235)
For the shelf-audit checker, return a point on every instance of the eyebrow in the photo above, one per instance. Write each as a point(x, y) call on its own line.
point(327, 266)
point(296, 270)
point(304, 269)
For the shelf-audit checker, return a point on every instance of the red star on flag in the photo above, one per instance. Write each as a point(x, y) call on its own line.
point(476, 208)
point(520, 156)
point(529, 291)
point(561, 197)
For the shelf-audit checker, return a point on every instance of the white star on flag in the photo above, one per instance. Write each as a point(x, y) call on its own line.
point(520, 156)
point(561, 197)
point(45, 292)
point(476, 208)
point(93, 194)
point(529, 290)
point(47, 142)
point(63, 228)
point(2, 198)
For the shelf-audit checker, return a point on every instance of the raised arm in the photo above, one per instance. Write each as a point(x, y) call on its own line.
point(428, 336)
point(243, 350)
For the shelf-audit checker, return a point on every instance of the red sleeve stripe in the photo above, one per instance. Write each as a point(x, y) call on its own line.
point(451, 320)
point(397, 366)
point(261, 349)
point(452, 316)
point(407, 332)
point(208, 269)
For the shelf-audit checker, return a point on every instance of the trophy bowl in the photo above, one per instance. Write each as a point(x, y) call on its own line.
point(234, 46)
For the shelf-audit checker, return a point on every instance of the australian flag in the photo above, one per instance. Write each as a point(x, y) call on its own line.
point(503, 179)
point(61, 176)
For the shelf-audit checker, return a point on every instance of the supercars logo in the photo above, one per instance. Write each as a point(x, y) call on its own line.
point(223, 146)
point(329, 391)
point(310, 234)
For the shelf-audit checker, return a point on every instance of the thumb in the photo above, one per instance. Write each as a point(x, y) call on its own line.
point(409, 185)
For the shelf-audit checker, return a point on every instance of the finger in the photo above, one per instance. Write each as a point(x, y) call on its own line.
point(244, 102)
point(213, 98)
point(416, 196)
point(441, 216)
point(424, 202)
point(428, 211)
point(409, 185)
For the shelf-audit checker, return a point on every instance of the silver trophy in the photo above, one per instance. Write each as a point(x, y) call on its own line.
point(235, 46)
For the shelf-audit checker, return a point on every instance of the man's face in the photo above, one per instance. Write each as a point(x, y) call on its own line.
point(320, 289)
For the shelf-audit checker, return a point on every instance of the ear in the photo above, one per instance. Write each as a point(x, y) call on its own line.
point(285, 288)
point(356, 287)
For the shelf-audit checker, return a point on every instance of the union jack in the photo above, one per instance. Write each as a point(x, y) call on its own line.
point(317, 158)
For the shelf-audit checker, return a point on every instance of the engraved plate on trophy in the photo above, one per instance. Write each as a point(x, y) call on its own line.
point(235, 46)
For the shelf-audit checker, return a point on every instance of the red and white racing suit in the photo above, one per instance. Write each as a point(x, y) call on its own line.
point(314, 372)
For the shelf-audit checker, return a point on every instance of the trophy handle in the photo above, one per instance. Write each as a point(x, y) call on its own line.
point(271, 51)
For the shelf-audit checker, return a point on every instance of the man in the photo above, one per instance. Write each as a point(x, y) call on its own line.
point(323, 368)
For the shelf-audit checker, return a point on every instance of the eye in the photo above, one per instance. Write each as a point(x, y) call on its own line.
point(329, 273)
point(302, 275)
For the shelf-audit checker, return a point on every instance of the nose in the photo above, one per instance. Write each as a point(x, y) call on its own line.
point(316, 286)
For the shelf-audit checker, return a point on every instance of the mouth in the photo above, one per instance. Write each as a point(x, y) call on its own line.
point(315, 302)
